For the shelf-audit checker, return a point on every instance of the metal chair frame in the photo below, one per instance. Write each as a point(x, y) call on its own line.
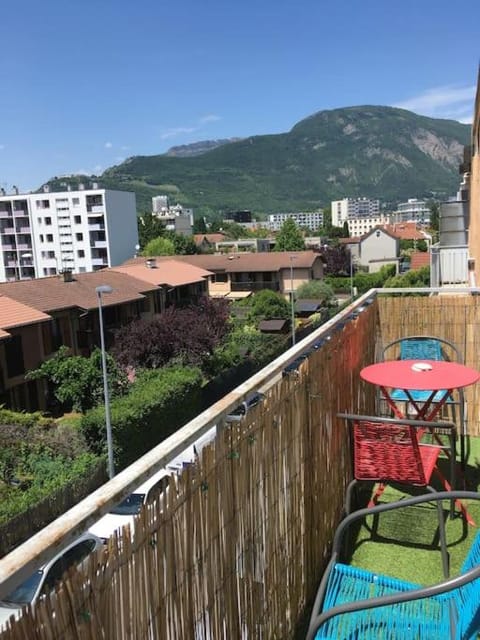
point(400, 609)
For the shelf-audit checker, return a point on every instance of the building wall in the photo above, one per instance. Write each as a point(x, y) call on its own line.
point(360, 226)
point(310, 219)
point(378, 246)
point(42, 234)
point(347, 208)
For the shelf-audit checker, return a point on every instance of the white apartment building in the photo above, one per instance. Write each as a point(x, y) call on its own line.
point(347, 208)
point(360, 226)
point(413, 211)
point(309, 219)
point(175, 218)
point(42, 234)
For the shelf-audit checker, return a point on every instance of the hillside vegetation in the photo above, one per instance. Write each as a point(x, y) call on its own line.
point(370, 151)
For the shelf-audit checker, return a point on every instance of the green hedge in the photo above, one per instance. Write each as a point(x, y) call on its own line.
point(55, 474)
point(159, 402)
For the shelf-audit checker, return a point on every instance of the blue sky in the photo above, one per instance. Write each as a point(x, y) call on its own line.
point(87, 84)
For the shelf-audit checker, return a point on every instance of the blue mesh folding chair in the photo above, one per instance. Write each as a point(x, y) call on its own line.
point(353, 603)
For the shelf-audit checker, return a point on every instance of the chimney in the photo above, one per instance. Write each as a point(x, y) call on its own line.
point(2, 192)
point(81, 186)
point(94, 185)
point(46, 188)
point(151, 263)
point(15, 190)
point(67, 275)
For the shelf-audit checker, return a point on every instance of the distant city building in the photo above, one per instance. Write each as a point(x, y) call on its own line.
point(42, 234)
point(309, 219)
point(175, 218)
point(343, 210)
point(239, 217)
point(361, 226)
point(412, 210)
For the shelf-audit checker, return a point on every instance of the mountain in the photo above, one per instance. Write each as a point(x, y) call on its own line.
point(197, 148)
point(368, 151)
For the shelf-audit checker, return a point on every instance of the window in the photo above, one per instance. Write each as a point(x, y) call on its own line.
point(39, 220)
point(77, 219)
point(79, 237)
point(76, 202)
point(14, 356)
point(48, 220)
point(82, 269)
point(41, 237)
point(158, 488)
point(81, 253)
point(43, 204)
point(220, 277)
point(49, 237)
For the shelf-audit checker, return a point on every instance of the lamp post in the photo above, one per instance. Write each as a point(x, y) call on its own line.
point(351, 275)
point(292, 300)
point(105, 288)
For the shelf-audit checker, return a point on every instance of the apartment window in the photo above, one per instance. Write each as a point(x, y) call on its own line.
point(43, 204)
point(14, 356)
point(81, 253)
point(220, 277)
point(41, 237)
point(76, 202)
point(39, 220)
point(79, 237)
point(48, 220)
point(49, 237)
point(77, 219)
point(82, 269)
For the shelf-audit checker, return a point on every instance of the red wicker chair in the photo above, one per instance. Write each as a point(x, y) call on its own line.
point(387, 450)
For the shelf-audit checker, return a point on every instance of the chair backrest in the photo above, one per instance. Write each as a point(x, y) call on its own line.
point(423, 348)
point(386, 451)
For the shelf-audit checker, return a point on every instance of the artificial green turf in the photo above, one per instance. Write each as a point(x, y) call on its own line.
point(404, 543)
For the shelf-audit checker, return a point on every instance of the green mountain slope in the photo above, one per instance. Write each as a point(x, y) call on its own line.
point(368, 151)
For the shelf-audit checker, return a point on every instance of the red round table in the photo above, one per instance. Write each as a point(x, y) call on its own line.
point(421, 375)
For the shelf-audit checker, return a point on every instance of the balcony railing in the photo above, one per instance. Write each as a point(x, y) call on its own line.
point(255, 285)
point(258, 512)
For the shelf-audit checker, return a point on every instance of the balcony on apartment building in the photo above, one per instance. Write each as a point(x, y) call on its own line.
point(254, 285)
point(245, 537)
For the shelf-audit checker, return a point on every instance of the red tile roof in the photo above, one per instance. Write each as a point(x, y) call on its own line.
point(53, 293)
point(173, 273)
point(211, 238)
point(405, 231)
point(419, 259)
point(15, 314)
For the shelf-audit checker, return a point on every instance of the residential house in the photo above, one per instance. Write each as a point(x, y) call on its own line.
point(67, 308)
point(374, 250)
point(205, 242)
point(240, 274)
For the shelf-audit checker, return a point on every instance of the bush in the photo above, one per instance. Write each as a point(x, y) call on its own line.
point(159, 402)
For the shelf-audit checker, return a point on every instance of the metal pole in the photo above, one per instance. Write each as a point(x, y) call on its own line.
point(111, 468)
point(292, 302)
point(351, 275)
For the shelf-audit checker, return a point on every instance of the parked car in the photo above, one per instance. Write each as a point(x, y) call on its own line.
point(124, 513)
point(44, 579)
point(241, 411)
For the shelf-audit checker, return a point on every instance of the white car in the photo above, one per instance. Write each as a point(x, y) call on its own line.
point(124, 513)
point(44, 579)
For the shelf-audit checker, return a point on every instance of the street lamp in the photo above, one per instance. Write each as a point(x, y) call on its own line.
point(105, 288)
point(292, 300)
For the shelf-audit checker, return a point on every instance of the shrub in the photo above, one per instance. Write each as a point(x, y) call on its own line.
point(159, 402)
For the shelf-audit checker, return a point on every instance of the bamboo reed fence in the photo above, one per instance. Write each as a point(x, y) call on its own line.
point(237, 545)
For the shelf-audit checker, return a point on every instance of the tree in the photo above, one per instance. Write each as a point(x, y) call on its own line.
point(189, 334)
point(268, 304)
point(149, 227)
point(199, 225)
point(289, 238)
point(337, 260)
point(315, 289)
point(182, 245)
point(77, 382)
point(434, 214)
point(159, 247)
point(346, 232)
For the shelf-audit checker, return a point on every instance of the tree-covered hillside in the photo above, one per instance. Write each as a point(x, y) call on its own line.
point(370, 151)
